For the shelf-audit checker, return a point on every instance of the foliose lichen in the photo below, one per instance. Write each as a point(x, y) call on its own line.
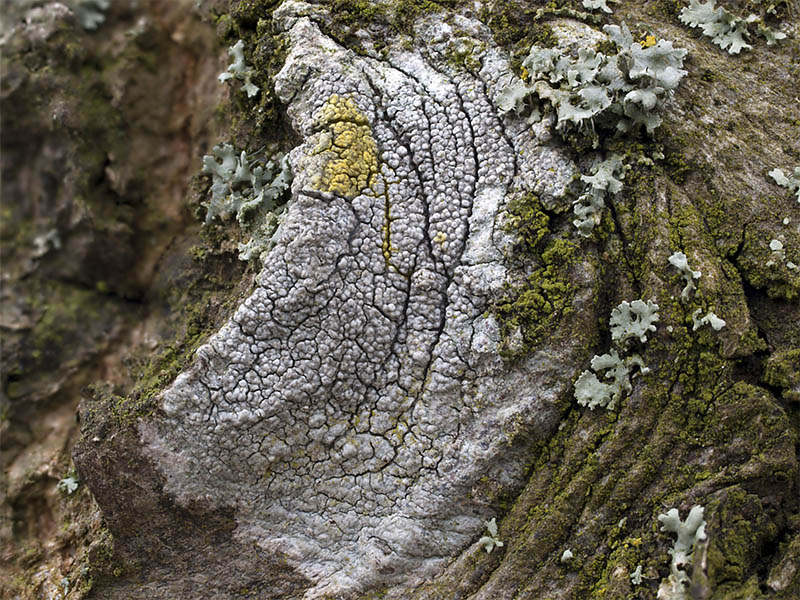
point(709, 319)
point(629, 321)
point(90, 13)
point(778, 256)
point(725, 29)
point(591, 392)
point(593, 90)
point(597, 5)
point(791, 181)
point(636, 576)
point(605, 180)
point(680, 262)
point(491, 541)
point(248, 189)
point(689, 532)
point(68, 485)
point(240, 70)
point(633, 321)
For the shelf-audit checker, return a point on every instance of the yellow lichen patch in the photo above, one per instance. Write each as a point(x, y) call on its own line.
point(352, 154)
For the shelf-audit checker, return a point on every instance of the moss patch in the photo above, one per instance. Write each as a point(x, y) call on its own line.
point(513, 24)
point(739, 529)
point(781, 370)
point(532, 307)
point(399, 14)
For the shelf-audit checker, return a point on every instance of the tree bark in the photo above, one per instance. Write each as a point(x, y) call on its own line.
point(394, 366)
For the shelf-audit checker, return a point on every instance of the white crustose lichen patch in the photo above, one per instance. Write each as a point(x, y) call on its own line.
point(354, 401)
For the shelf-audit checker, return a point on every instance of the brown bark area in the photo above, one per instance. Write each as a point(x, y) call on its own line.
point(101, 133)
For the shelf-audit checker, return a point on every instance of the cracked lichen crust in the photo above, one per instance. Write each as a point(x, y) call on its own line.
point(351, 407)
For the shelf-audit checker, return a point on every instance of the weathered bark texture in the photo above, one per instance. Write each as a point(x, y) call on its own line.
point(342, 416)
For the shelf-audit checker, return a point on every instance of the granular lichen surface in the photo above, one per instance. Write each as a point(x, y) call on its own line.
point(353, 403)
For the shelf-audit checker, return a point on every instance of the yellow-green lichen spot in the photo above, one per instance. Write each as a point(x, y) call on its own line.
point(350, 149)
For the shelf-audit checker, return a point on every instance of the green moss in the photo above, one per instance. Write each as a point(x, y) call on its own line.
point(464, 56)
point(709, 76)
point(246, 14)
point(676, 165)
point(528, 222)
point(670, 8)
point(546, 295)
point(781, 371)
point(740, 527)
point(352, 12)
point(610, 576)
point(155, 374)
point(399, 15)
point(569, 9)
point(514, 24)
point(376, 595)
point(607, 47)
point(764, 270)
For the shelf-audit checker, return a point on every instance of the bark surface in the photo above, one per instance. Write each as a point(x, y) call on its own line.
point(343, 416)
